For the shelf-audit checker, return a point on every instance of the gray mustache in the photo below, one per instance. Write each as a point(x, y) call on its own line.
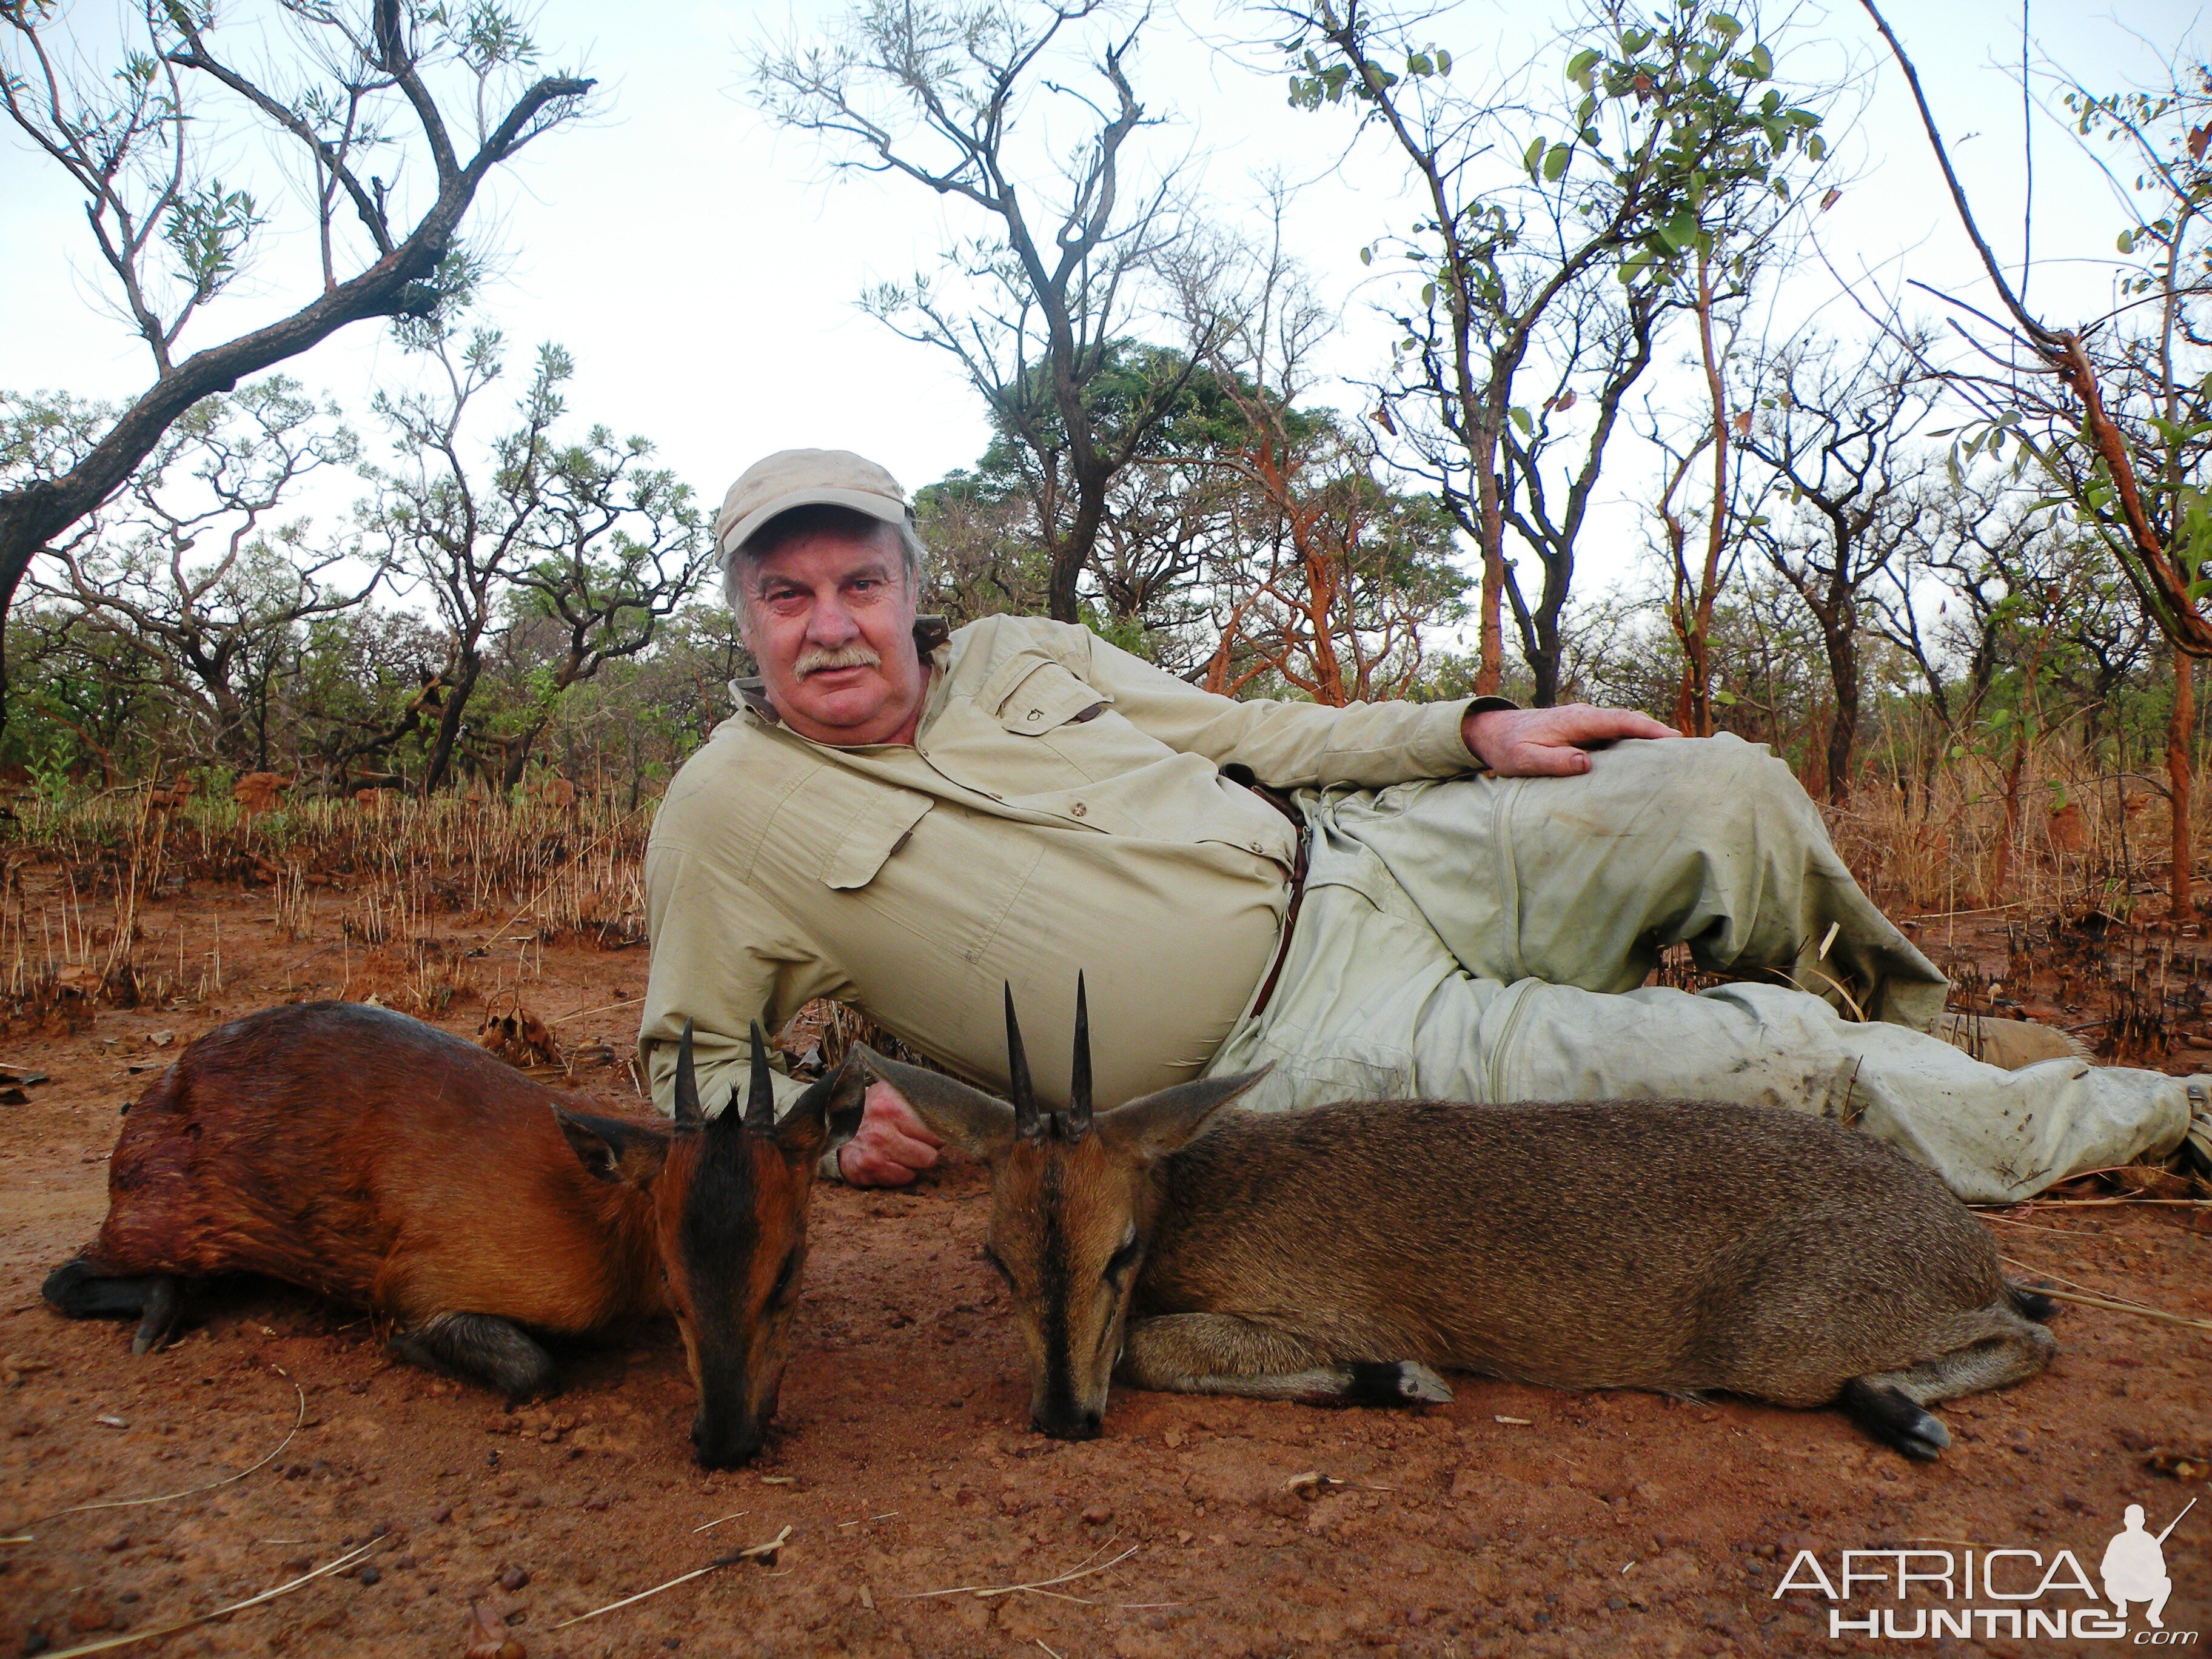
point(816, 659)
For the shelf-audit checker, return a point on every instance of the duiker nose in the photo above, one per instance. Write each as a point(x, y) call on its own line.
point(725, 1445)
point(1066, 1425)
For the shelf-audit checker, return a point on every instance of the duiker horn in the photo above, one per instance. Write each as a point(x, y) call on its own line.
point(1078, 1120)
point(1028, 1122)
point(760, 1103)
point(688, 1114)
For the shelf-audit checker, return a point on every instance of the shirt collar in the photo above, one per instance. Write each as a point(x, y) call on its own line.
point(929, 632)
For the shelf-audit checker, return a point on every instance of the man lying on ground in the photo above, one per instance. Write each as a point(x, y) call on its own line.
point(1454, 900)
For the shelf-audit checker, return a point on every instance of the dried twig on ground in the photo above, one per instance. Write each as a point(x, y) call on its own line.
point(107, 1644)
point(1041, 1586)
point(2108, 1303)
point(191, 1491)
point(757, 1553)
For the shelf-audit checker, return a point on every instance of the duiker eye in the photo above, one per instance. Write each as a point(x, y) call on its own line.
point(1119, 1263)
point(786, 1281)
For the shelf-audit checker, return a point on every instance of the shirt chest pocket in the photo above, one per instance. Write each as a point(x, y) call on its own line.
point(1043, 697)
point(849, 827)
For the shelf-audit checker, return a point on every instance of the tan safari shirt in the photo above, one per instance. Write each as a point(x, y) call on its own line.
point(1062, 807)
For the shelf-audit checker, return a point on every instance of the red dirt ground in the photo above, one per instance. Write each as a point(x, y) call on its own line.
point(1513, 1521)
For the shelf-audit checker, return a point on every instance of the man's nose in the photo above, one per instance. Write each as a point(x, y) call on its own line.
point(830, 623)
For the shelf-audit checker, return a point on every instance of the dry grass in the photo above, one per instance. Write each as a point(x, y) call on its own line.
point(2052, 835)
point(80, 877)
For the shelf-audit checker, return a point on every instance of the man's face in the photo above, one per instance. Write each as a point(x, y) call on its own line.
point(830, 619)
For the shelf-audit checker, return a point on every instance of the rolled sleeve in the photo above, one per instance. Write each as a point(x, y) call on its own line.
point(722, 957)
point(1288, 744)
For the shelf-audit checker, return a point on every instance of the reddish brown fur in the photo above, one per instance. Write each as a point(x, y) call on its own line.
point(380, 1161)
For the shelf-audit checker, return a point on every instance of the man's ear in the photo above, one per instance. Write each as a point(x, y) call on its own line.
point(828, 1114)
point(613, 1150)
point(1156, 1124)
point(969, 1118)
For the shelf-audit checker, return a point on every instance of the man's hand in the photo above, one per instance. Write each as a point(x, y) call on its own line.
point(1549, 743)
point(892, 1144)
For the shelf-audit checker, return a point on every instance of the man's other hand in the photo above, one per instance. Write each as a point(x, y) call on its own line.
point(892, 1144)
point(1549, 743)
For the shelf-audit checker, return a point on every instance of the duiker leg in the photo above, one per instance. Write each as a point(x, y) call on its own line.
point(80, 1291)
point(1887, 1404)
point(481, 1347)
point(1219, 1353)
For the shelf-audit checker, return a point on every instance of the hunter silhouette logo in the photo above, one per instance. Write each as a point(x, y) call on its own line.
point(1989, 1593)
point(2133, 1568)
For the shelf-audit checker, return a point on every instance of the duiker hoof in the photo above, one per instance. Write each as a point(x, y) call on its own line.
point(164, 1312)
point(1395, 1382)
point(1894, 1418)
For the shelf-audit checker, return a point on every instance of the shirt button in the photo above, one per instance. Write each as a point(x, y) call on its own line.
point(1078, 809)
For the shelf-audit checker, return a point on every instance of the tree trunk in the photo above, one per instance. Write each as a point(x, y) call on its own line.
point(1700, 700)
point(1544, 669)
point(449, 725)
point(517, 757)
point(1490, 664)
point(1843, 728)
point(2179, 777)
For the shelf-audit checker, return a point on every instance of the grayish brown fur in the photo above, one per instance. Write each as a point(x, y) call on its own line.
point(1345, 1253)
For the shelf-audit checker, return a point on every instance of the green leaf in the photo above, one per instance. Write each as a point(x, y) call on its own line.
point(1444, 61)
point(1555, 163)
point(1521, 419)
point(2127, 241)
point(1579, 66)
point(1724, 696)
point(1367, 256)
point(1428, 294)
point(1533, 158)
point(1724, 26)
point(1679, 233)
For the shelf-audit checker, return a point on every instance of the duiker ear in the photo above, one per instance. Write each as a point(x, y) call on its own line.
point(1156, 1124)
point(969, 1118)
point(828, 1114)
point(613, 1150)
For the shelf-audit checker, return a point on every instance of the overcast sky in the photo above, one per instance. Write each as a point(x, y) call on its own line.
point(703, 268)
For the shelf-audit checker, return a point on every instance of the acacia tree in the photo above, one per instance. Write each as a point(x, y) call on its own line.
point(583, 535)
point(1661, 117)
point(1035, 309)
point(139, 138)
point(1838, 433)
point(189, 566)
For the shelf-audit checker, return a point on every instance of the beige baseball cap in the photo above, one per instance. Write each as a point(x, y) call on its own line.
point(805, 477)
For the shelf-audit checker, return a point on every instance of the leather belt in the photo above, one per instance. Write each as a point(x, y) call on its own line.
point(1283, 804)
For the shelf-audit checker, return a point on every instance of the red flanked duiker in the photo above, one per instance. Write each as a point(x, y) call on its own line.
point(1342, 1255)
point(376, 1159)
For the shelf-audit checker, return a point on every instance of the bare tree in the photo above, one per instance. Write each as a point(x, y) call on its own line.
point(139, 141)
point(190, 566)
point(585, 536)
point(1839, 432)
point(1604, 338)
point(942, 94)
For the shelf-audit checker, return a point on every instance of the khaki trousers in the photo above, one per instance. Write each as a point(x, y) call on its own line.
point(1486, 939)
